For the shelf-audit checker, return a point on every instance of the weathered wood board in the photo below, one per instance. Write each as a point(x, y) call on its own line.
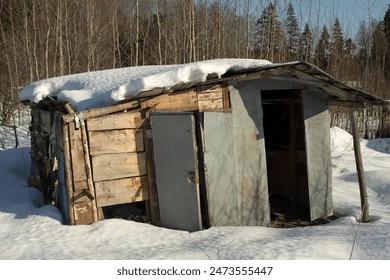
point(117, 166)
point(121, 191)
point(116, 141)
point(184, 101)
point(78, 159)
point(83, 213)
point(125, 120)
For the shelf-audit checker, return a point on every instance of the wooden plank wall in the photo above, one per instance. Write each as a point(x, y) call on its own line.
point(374, 121)
point(204, 98)
point(116, 147)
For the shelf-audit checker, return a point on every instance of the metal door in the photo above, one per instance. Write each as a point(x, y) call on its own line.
point(176, 165)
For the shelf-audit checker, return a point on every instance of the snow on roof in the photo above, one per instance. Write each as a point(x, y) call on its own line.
point(106, 87)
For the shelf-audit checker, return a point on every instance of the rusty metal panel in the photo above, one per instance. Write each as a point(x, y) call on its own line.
point(220, 169)
point(176, 165)
point(249, 153)
point(317, 137)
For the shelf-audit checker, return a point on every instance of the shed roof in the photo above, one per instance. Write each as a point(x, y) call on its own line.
point(106, 87)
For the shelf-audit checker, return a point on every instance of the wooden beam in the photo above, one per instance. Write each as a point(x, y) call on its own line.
point(98, 112)
point(68, 175)
point(183, 101)
point(359, 167)
point(151, 174)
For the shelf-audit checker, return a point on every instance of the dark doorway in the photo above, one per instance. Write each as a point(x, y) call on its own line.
point(285, 152)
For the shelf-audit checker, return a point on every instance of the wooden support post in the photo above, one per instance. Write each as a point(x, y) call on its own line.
point(153, 201)
point(364, 122)
point(359, 168)
point(68, 175)
point(89, 172)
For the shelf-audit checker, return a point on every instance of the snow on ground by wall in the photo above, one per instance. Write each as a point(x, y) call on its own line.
point(102, 88)
point(7, 133)
point(29, 230)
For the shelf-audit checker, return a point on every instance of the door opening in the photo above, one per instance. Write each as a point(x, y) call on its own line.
point(286, 157)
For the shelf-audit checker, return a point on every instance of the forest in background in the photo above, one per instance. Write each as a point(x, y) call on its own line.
point(47, 38)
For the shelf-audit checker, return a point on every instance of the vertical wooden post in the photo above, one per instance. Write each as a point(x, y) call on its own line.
point(153, 202)
point(88, 171)
point(359, 168)
point(68, 175)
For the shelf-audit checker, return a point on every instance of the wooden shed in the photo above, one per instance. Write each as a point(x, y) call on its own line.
point(216, 152)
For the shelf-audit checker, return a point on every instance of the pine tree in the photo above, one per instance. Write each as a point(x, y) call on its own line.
point(336, 49)
point(386, 26)
point(306, 45)
point(292, 33)
point(322, 49)
point(268, 34)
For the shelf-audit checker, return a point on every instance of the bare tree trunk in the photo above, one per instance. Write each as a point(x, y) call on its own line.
point(67, 37)
point(27, 42)
point(137, 32)
point(236, 40)
point(159, 34)
point(114, 32)
point(60, 43)
point(34, 15)
point(16, 70)
point(47, 40)
point(219, 30)
point(248, 31)
point(192, 31)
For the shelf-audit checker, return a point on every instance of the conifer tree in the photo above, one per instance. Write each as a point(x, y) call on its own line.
point(336, 49)
point(306, 44)
point(268, 34)
point(386, 26)
point(292, 33)
point(322, 49)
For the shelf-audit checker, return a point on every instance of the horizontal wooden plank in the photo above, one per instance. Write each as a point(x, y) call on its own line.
point(184, 101)
point(117, 166)
point(121, 191)
point(116, 121)
point(207, 105)
point(116, 141)
point(209, 88)
point(210, 95)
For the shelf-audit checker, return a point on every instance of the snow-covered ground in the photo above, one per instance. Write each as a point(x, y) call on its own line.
point(31, 231)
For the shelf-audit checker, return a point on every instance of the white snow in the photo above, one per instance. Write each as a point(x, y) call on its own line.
point(29, 230)
point(105, 87)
